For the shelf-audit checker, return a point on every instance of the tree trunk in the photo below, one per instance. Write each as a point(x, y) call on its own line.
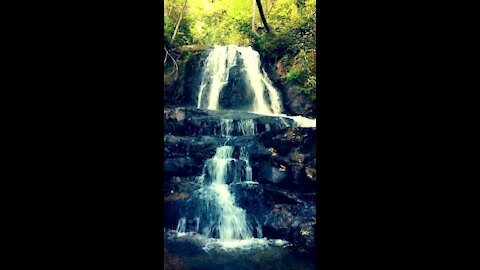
point(254, 11)
point(260, 10)
point(179, 20)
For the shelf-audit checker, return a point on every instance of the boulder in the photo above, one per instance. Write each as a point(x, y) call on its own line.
point(236, 95)
point(303, 237)
point(179, 166)
point(311, 173)
point(272, 174)
point(297, 157)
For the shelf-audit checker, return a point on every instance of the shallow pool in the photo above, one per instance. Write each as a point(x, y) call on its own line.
point(194, 252)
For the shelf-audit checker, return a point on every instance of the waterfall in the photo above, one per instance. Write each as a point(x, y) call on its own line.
point(216, 74)
point(222, 219)
point(216, 215)
point(274, 97)
point(212, 209)
point(251, 61)
point(226, 127)
point(230, 223)
point(248, 168)
point(247, 127)
point(181, 227)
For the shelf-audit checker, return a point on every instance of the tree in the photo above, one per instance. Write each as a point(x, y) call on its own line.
point(254, 29)
point(260, 10)
point(179, 20)
point(167, 54)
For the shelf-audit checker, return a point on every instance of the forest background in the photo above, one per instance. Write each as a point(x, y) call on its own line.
point(282, 31)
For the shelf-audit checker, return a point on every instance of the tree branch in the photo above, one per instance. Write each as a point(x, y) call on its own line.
point(179, 20)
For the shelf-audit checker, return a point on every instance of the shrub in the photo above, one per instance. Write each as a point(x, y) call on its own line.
point(299, 75)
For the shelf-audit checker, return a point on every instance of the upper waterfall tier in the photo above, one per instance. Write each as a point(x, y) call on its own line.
point(232, 79)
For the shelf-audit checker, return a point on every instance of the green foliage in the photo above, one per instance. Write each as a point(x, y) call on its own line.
point(292, 39)
point(286, 59)
point(299, 75)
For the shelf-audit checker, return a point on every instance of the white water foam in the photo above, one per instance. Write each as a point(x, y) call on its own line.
point(303, 121)
point(251, 61)
point(226, 127)
point(229, 245)
point(247, 127)
point(216, 74)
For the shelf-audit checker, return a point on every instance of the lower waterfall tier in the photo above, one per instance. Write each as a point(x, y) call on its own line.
point(239, 177)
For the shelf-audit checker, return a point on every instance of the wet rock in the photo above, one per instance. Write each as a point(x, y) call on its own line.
point(171, 213)
point(297, 102)
point(294, 223)
point(176, 184)
point(256, 150)
point(277, 195)
point(278, 222)
point(303, 237)
point(193, 77)
point(297, 176)
point(311, 173)
point(176, 196)
point(181, 88)
point(198, 148)
point(171, 262)
point(169, 87)
point(179, 166)
point(239, 96)
point(285, 140)
point(272, 174)
point(297, 157)
point(194, 122)
point(251, 198)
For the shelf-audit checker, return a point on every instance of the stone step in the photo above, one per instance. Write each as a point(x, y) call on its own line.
point(194, 122)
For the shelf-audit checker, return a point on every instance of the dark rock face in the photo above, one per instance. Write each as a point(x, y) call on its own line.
point(179, 166)
point(181, 89)
point(293, 223)
point(290, 155)
point(193, 78)
point(239, 95)
point(272, 174)
point(171, 262)
point(296, 102)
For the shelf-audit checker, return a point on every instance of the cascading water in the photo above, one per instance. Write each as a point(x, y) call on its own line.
point(229, 221)
point(213, 206)
point(216, 75)
point(212, 210)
